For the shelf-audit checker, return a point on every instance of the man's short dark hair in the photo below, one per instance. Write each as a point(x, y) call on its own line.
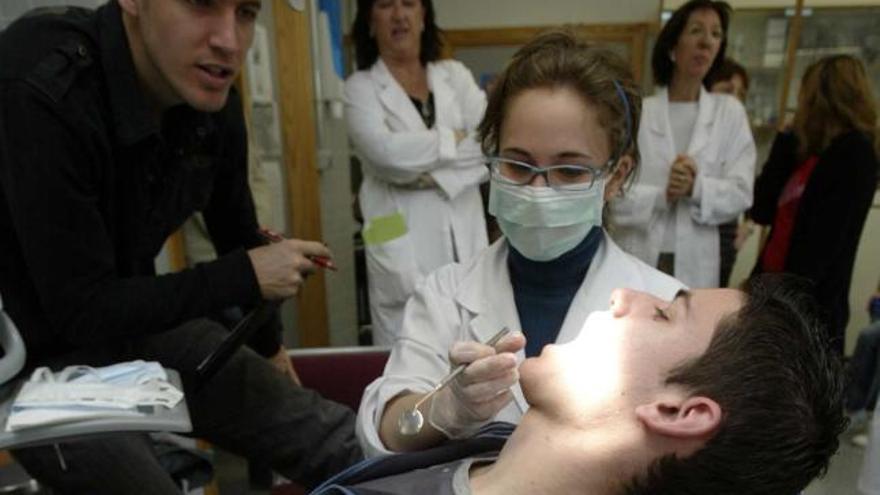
point(780, 387)
point(725, 72)
point(367, 50)
point(661, 64)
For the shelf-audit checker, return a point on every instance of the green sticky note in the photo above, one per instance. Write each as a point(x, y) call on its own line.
point(383, 229)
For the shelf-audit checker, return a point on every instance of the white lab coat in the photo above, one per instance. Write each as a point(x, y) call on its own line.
point(724, 151)
point(472, 302)
point(395, 148)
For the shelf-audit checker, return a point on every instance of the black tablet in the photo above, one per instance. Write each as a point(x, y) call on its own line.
point(239, 334)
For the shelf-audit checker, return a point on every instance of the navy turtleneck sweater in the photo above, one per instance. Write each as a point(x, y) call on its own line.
point(543, 290)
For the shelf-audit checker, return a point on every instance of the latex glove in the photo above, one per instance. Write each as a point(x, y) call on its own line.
point(481, 390)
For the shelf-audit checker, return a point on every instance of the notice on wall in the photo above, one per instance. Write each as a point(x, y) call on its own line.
point(259, 71)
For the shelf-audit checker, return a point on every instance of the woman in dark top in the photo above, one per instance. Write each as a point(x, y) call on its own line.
point(818, 183)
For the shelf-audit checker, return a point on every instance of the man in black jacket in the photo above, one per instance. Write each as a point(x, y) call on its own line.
point(115, 126)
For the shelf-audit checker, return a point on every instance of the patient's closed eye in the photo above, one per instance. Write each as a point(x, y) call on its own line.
point(660, 313)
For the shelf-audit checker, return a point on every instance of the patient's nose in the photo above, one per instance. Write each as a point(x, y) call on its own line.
point(621, 301)
point(628, 302)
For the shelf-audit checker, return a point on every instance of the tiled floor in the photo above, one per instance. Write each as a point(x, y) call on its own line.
point(231, 474)
point(843, 473)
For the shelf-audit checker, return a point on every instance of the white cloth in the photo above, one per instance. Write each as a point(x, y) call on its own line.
point(80, 392)
point(682, 118)
point(396, 148)
point(472, 301)
point(724, 152)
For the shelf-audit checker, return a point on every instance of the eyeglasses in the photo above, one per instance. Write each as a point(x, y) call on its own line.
point(569, 177)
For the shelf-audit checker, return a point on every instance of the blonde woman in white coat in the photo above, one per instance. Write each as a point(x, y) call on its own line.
point(698, 154)
point(411, 120)
point(559, 129)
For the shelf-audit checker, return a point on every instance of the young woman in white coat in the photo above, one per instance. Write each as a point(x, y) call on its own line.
point(558, 132)
point(411, 119)
point(698, 155)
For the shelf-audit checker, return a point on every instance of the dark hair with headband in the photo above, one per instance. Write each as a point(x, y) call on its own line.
point(725, 72)
point(563, 59)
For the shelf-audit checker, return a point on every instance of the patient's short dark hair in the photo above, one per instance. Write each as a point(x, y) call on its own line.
point(725, 72)
point(770, 368)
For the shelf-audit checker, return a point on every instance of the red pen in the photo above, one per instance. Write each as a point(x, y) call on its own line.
point(322, 261)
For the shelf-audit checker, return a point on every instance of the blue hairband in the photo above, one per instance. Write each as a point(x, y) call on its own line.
point(623, 98)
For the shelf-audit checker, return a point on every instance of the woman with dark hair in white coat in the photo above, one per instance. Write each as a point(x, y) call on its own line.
point(698, 153)
point(411, 119)
point(559, 134)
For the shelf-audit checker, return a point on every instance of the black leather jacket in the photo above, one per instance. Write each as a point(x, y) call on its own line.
point(92, 183)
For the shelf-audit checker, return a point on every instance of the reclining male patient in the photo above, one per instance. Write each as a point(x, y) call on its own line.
point(716, 392)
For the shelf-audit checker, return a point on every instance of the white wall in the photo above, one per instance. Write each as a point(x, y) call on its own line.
point(866, 275)
point(473, 14)
point(464, 14)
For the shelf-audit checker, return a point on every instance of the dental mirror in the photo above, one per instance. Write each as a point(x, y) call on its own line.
point(411, 420)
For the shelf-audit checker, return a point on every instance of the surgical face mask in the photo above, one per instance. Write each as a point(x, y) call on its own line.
point(543, 223)
point(81, 392)
point(128, 373)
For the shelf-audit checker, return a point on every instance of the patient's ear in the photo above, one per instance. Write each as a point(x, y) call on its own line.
point(681, 418)
point(618, 177)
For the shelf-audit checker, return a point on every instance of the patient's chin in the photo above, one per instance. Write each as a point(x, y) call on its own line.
point(536, 378)
point(528, 368)
point(529, 372)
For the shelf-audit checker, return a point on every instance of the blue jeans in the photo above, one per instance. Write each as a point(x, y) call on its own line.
point(865, 370)
point(247, 408)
